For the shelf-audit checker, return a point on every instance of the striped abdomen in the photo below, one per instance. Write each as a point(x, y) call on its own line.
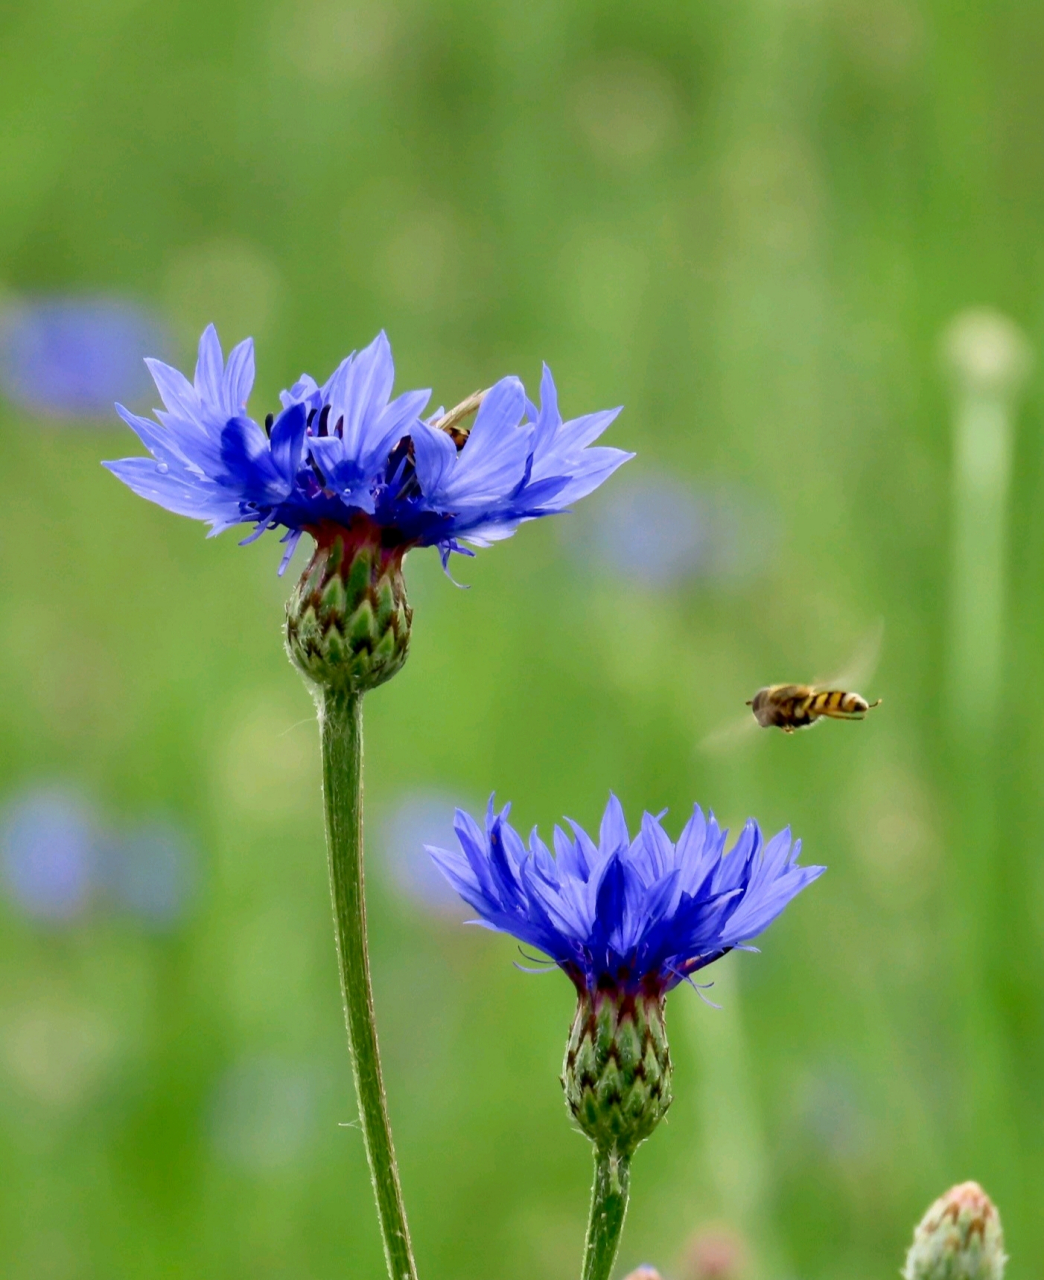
point(794, 706)
point(837, 704)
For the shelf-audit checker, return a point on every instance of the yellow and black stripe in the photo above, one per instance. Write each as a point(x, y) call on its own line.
point(838, 705)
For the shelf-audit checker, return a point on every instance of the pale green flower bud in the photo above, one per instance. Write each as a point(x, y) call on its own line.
point(959, 1238)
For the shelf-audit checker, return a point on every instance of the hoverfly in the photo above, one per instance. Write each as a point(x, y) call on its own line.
point(797, 706)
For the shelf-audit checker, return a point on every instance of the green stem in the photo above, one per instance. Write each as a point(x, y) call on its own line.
point(340, 718)
point(608, 1209)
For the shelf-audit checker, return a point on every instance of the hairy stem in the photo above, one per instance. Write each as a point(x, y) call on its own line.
point(608, 1209)
point(340, 718)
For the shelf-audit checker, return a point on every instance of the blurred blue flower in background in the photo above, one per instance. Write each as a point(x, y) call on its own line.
point(656, 529)
point(345, 454)
point(72, 357)
point(830, 1110)
point(150, 872)
point(628, 915)
point(58, 860)
point(49, 847)
point(420, 819)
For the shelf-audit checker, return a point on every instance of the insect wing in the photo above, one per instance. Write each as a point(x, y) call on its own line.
point(859, 670)
point(729, 735)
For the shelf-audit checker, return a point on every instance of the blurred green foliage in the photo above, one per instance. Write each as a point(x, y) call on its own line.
point(746, 222)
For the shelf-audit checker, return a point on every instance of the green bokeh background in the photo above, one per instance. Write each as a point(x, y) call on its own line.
point(747, 222)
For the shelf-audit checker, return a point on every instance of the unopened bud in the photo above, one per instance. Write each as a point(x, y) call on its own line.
point(644, 1273)
point(959, 1238)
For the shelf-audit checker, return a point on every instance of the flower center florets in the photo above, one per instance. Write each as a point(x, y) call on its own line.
point(623, 981)
point(360, 532)
point(397, 480)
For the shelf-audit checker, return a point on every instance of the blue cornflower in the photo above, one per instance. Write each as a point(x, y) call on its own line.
point(346, 456)
point(626, 915)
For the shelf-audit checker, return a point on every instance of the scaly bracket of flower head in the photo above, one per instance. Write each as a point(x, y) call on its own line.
point(959, 1238)
point(626, 920)
point(617, 1070)
point(348, 621)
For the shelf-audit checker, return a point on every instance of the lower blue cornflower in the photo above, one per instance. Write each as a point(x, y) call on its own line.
point(632, 916)
point(626, 920)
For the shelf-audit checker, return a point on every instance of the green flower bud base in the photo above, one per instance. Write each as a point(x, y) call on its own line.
point(348, 622)
point(617, 1074)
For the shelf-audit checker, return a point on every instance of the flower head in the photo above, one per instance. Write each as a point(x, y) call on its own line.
point(634, 916)
point(959, 1238)
point(346, 454)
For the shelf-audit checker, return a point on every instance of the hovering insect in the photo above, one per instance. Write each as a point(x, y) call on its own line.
point(796, 706)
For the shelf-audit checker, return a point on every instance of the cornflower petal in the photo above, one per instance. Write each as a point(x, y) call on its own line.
point(570, 856)
point(492, 462)
point(551, 907)
point(177, 393)
point(735, 867)
point(363, 390)
point(436, 455)
point(548, 419)
point(613, 833)
point(693, 853)
point(504, 877)
point(586, 849)
point(250, 468)
point(210, 367)
point(304, 391)
point(162, 443)
point(181, 494)
point(592, 470)
point(288, 437)
point(238, 381)
point(458, 872)
point(543, 863)
point(660, 896)
point(659, 852)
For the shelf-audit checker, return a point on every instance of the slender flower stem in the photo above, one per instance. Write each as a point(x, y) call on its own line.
point(608, 1209)
point(340, 719)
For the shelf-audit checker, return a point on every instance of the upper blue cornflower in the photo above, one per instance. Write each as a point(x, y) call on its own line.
point(638, 914)
point(346, 453)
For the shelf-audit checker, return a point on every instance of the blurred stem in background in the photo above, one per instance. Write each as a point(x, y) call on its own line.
point(732, 1138)
point(988, 360)
point(341, 724)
